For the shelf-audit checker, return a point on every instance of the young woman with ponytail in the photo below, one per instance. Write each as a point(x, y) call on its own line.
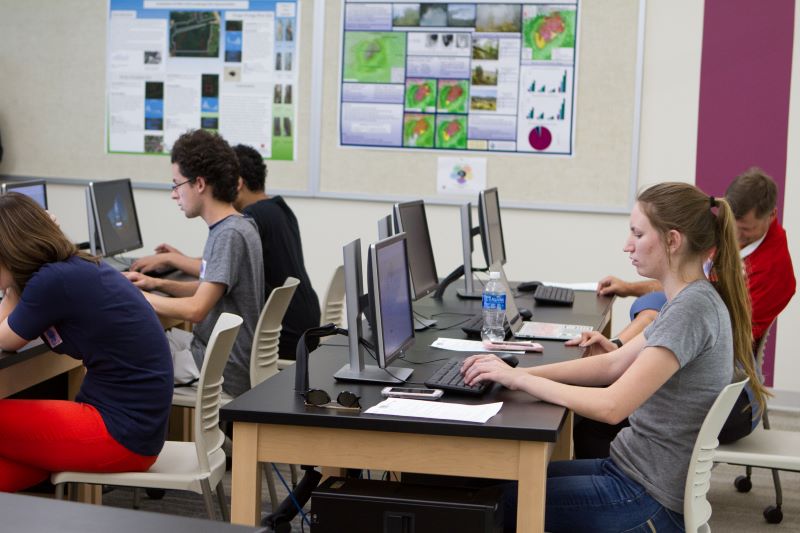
point(664, 380)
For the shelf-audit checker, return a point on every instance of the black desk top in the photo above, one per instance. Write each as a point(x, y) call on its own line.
point(8, 359)
point(30, 513)
point(521, 417)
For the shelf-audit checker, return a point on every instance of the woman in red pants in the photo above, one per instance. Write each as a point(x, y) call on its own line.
point(83, 308)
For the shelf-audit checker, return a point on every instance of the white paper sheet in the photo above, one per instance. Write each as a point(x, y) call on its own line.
point(437, 410)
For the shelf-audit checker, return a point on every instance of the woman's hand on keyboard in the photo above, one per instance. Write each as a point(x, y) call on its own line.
point(488, 367)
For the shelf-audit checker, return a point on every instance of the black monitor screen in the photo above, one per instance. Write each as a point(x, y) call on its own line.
point(34, 189)
point(494, 248)
point(411, 220)
point(115, 216)
point(390, 295)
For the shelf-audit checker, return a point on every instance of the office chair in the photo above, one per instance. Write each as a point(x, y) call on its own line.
point(333, 310)
point(696, 508)
point(194, 466)
point(263, 357)
point(764, 448)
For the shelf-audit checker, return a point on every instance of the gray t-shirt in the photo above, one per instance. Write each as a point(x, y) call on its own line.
point(655, 450)
point(232, 256)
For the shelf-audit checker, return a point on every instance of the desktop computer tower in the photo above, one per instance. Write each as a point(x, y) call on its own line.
point(373, 506)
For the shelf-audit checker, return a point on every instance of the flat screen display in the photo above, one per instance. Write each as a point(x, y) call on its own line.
point(34, 189)
point(115, 216)
point(414, 223)
point(391, 298)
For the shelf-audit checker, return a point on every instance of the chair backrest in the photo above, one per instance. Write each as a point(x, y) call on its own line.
point(264, 352)
point(333, 310)
point(207, 435)
point(696, 509)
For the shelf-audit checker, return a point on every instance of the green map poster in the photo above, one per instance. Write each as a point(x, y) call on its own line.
point(465, 76)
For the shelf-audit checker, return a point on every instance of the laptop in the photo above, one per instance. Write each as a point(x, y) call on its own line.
point(536, 330)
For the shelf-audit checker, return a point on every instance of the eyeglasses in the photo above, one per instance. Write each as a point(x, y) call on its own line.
point(176, 185)
point(320, 398)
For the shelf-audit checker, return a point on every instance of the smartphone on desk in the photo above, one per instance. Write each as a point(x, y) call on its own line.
point(414, 394)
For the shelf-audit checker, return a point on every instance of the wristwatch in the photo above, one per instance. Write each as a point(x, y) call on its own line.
point(617, 341)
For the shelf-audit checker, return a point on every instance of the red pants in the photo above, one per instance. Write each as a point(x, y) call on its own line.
point(38, 437)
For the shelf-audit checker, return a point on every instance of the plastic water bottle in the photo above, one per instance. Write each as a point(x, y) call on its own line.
point(494, 309)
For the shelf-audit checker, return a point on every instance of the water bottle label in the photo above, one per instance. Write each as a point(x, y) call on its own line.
point(494, 301)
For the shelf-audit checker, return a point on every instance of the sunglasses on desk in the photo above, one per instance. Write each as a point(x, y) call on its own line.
point(320, 398)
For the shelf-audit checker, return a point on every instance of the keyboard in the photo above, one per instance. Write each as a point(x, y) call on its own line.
point(546, 294)
point(473, 326)
point(449, 378)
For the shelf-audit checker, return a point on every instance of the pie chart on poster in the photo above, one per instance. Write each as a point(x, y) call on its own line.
point(540, 138)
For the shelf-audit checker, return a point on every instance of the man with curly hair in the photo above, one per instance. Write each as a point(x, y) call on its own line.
point(205, 173)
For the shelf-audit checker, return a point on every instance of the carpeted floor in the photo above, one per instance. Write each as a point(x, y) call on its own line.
point(732, 511)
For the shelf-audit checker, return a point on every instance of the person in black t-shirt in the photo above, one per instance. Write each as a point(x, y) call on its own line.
point(281, 245)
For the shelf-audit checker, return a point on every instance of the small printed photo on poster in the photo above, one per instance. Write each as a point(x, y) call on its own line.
point(287, 94)
point(233, 74)
point(209, 123)
point(462, 40)
point(276, 126)
point(289, 32)
point(461, 15)
point(405, 15)
point(279, 30)
point(287, 126)
point(484, 76)
point(154, 124)
point(447, 39)
point(153, 144)
point(277, 94)
point(278, 61)
point(431, 40)
point(152, 57)
point(287, 61)
point(433, 15)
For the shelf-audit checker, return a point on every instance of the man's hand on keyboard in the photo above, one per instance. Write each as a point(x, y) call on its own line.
point(594, 343)
point(488, 367)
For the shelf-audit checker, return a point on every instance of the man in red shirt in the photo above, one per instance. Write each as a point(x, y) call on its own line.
point(770, 282)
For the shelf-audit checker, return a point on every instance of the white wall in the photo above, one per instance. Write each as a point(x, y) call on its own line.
point(540, 245)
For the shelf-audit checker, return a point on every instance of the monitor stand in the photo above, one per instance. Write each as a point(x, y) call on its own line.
point(356, 370)
point(467, 232)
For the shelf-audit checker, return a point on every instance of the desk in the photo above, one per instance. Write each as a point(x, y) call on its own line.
point(271, 424)
point(30, 513)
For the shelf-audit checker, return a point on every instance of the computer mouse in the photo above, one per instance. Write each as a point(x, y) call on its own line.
point(509, 358)
point(526, 314)
point(528, 286)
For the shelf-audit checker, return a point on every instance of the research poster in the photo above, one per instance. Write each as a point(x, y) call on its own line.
point(487, 76)
point(227, 66)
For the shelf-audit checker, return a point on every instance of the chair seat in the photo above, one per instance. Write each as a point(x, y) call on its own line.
point(176, 468)
point(186, 397)
point(763, 448)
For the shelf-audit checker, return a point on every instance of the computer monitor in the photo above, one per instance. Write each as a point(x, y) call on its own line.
point(494, 248)
point(411, 219)
point(34, 189)
point(385, 227)
point(387, 305)
point(113, 215)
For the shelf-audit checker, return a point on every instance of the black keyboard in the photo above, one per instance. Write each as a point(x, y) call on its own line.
point(449, 378)
point(545, 294)
point(473, 326)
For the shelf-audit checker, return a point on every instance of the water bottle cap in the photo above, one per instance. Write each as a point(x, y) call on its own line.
point(494, 275)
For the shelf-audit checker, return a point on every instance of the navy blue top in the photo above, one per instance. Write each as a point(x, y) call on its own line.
point(92, 313)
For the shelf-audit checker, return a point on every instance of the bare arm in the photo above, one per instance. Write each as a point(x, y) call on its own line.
point(8, 339)
point(611, 285)
point(637, 325)
point(193, 308)
point(170, 286)
point(645, 374)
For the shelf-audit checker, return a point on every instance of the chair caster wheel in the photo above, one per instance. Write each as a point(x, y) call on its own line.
point(743, 484)
point(155, 494)
point(773, 515)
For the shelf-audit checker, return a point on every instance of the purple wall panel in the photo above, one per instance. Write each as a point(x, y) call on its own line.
point(744, 97)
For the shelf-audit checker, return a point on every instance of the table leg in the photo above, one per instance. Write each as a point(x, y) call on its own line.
point(532, 487)
point(246, 481)
point(562, 451)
